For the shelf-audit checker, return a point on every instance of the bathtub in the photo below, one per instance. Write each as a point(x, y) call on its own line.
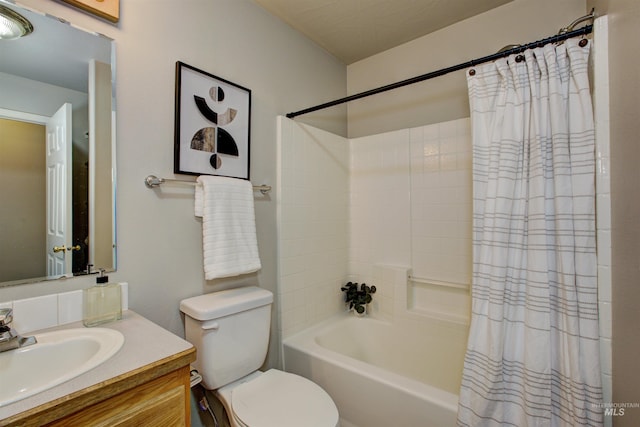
point(380, 374)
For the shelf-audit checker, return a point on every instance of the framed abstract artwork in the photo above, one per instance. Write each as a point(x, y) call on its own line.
point(106, 9)
point(212, 125)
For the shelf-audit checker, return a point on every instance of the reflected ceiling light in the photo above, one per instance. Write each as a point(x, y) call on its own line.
point(13, 25)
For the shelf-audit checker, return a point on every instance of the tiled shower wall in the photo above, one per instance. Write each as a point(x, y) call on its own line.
point(400, 198)
point(411, 202)
point(411, 207)
point(379, 219)
point(313, 186)
point(441, 196)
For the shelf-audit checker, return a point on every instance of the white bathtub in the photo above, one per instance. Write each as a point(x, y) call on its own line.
point(380, 374)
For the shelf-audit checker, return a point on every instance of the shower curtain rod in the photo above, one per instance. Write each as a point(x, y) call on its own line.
point(553, 39)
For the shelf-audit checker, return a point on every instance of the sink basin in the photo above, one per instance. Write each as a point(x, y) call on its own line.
point(57, 357)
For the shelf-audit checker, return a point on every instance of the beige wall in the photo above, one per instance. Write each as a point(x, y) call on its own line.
point(624, 74)
point(22, 219)
point(445, 98)
point(159, 239)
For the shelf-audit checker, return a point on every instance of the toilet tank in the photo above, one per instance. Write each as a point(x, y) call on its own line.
point(230, 330)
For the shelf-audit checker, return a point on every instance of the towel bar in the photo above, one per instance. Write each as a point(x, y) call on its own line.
point(153, 181)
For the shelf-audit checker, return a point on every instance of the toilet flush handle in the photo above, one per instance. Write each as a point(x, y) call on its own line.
point(210, 326)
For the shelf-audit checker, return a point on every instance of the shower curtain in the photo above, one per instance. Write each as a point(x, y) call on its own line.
point(533, 352)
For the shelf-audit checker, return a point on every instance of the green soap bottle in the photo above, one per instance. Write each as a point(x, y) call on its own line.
point(102, 303)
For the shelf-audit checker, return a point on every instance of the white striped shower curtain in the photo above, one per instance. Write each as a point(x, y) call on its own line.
point(533, 352)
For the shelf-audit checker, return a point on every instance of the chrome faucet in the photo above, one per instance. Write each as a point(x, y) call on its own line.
point(9, 338)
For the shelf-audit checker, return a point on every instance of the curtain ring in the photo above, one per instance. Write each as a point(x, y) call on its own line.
point(583, 42)
point(472, 72)
point(519, 58)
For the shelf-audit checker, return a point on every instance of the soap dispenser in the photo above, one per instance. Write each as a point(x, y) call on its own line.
point(102, 303)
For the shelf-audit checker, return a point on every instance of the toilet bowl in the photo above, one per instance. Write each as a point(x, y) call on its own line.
point(230, 330)
point(279, 399)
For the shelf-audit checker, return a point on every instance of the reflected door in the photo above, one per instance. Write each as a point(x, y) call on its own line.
point(59, 231)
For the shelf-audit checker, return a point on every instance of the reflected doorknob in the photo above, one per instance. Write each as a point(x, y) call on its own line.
point(57, 249)
point(73, 248)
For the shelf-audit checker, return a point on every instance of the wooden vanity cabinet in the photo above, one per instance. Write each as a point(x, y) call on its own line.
point(154, 395)
point(163, 402)
point(147, 383)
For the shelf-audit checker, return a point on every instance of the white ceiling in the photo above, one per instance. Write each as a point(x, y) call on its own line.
point(352, 30)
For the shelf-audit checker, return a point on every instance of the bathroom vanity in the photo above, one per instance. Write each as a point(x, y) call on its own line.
point(147, 383)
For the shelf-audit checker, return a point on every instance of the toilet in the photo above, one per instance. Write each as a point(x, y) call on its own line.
point(230, 330)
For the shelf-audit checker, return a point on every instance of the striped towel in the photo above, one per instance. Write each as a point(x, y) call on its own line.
point(230, 246)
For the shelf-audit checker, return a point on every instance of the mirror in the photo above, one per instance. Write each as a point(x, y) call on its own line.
point(57, 152)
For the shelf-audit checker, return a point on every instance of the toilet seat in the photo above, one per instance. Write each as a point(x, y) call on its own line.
point(281, 399)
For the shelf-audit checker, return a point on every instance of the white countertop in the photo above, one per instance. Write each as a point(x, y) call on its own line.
point(144, 343)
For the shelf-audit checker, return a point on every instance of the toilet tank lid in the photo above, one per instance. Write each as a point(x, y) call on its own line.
point(223, 303)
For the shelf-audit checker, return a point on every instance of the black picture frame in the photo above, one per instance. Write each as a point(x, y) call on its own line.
point(212, 125)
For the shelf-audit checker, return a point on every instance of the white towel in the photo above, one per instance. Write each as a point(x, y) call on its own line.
point(230, 246)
